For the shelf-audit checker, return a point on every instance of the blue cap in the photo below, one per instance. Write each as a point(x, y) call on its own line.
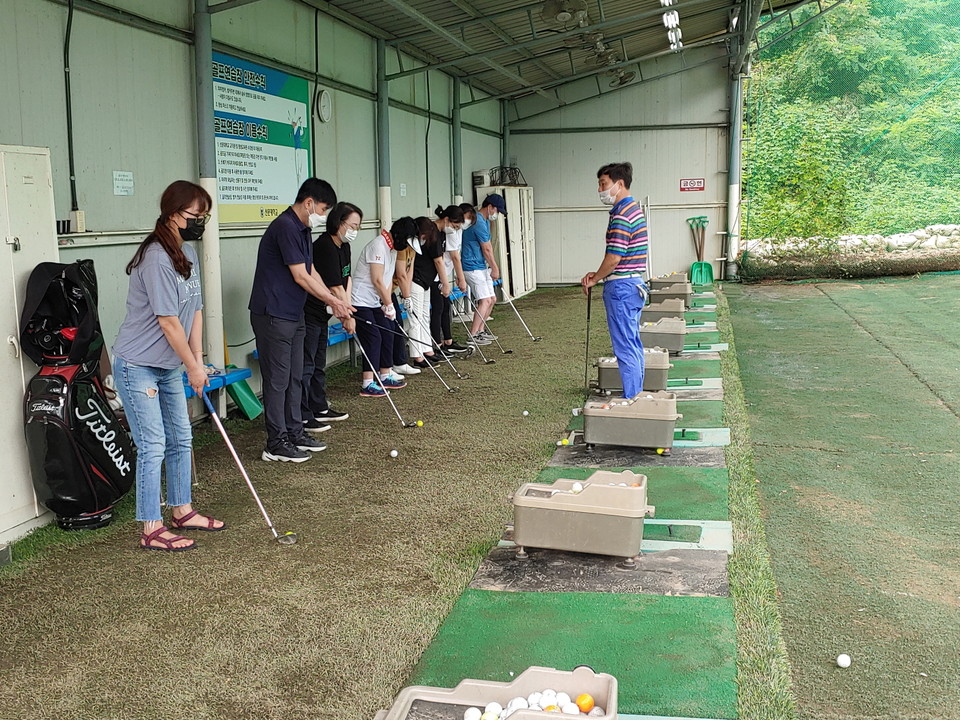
point(495, 200)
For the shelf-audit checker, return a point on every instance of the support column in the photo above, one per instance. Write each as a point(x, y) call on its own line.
point(734, 178)
point(383, 137)
point(206, 151)
point(505, 129)
point(457, 146)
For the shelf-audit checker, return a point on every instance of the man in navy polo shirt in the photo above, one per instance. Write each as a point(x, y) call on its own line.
point(284, 276)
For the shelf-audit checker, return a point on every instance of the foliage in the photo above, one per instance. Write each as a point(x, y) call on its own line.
point(854, 122)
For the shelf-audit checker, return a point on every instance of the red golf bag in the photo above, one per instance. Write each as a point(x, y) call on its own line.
point(81, 458)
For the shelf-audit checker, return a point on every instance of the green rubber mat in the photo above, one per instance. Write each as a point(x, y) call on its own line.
point(700, 413)
point(680, 493)
point(704, 338)
point(694, 368)
point(673, 533)
point(700, 316)
point(670, 655)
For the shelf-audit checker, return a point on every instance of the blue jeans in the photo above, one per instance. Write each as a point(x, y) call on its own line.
point(623, 302)
point(156, 409)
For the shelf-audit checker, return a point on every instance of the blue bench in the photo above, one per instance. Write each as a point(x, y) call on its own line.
point(218, 380)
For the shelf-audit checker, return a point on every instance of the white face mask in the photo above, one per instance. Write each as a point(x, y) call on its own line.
point(350, 235)
point(316, 220)
point(450, 230)
point(607, 197)
point(466, 224)
point(495, 216)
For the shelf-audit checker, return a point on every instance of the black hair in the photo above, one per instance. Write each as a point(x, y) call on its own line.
point(617, 171)
point(341, 212)
point(319, 190)
point(453, 213)
point(426, 229)
point(468, 209)
point(405, 227)
point(176, 198)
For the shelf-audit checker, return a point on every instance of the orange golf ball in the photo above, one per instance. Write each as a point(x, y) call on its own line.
point(585, 702)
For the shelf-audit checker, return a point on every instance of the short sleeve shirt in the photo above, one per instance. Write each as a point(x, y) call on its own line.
point(471, 256)
point(157, 289)
point(286, 242)
point(424, 269)
point(627, 239)
point(376, 252)
point(333, 264)
point(454, 241)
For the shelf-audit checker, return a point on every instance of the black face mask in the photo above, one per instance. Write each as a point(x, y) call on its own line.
point(400, 244)
point(193, 230)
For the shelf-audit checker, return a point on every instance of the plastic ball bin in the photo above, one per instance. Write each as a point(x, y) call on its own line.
point(662, 281)
point(663, 309)
point(677, 291)
point(667, 333)
point(421, 702)
point(646, 421)
point(604, 518)
point(656, 367)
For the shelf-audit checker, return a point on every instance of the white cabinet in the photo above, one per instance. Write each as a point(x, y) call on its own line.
point(514, 238)
point(27, 238)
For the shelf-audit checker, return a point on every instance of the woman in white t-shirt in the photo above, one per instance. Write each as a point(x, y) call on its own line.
point(371, 295)
point(440, 305)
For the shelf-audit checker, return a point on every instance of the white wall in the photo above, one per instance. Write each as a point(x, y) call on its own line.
point(561, 165)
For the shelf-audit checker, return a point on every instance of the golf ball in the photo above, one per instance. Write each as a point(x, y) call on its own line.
point(659, 451)
point(564, 442)
point(518, 703)
point(490, 716)
point(597, 711)
point(843, 660)
point(534, 698)
point(419, 423)
point(472, 713)
point(585, 702)
point(394, 453)
point(576, 488)
point(493, 707)
point(563, 699)
point(526, 412)
point(570, 709)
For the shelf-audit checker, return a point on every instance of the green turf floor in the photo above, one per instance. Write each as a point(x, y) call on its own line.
point(694, 368)
point(679, 493)
point(700, 316)
point(671, 655)
point(853, 392)
point(704, 338)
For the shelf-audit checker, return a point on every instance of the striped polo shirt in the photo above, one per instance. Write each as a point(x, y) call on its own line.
point(627, 238)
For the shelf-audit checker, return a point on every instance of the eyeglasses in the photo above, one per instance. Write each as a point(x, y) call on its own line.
point(201, 219)
point(352, 226)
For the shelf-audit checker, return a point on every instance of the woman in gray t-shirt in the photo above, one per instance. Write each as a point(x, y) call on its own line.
point(163, 329)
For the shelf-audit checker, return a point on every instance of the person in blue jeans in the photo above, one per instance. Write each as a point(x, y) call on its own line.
point(621, 271)
point(162, 330)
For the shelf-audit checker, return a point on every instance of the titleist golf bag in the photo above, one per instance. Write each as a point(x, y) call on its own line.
point(81, 458)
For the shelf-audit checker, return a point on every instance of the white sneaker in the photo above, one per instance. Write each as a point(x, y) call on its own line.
point(406, 369)
point(477, 339)
point(487, 335)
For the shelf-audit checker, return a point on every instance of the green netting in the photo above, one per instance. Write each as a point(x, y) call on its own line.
point(853, 127)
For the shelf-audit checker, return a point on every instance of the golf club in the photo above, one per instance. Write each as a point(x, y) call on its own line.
point(376, 376)
point(435, 372)
point(436, 346)
point(586, 359)
point(506, 295)
point(484, 320)
point(287, 538)
point(486, 360)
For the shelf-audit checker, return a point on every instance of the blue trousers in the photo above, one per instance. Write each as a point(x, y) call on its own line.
point(623, 301)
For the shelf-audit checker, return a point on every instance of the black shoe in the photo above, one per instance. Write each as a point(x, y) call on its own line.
point(456, 347)
point(331, 415)
point(422, 364)
point(315, 426)
point(284, 451)
point(433, 359)
point(308, 444)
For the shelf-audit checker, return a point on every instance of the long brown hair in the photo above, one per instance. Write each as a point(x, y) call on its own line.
point(178, 196)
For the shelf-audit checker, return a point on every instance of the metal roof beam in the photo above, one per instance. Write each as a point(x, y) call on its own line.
point(451, 38)
point(228, 5)
point(824, 9)
point(748, 30)
point(590, 73)
point(552, 38)
point(456, 26)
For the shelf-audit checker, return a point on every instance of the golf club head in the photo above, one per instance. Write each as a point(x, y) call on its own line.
point(453, 389)
point(287, 538)
point(537, 338)
point(508, 352)
point(463, 376)
point(489, 361)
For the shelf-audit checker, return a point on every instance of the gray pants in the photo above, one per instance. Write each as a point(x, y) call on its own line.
point(280, 346)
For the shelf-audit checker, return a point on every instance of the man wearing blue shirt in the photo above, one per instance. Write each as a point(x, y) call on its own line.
point(284, 276)
point(479, 267)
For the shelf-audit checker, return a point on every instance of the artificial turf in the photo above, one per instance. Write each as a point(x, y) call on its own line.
point(853, 401)
point(671, 654)
point(693, 368)
point(678, 493)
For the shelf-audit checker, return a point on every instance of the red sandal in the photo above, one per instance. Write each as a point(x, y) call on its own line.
point(147, 540)
point(178, 523)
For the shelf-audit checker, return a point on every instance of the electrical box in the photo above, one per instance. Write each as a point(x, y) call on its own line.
point(514, 238)
point(28, 227)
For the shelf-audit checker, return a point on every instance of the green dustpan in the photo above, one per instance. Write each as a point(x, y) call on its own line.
point(701, 273)
point(245, 398)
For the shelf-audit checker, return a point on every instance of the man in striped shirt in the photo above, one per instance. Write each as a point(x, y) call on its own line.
point(622, 269)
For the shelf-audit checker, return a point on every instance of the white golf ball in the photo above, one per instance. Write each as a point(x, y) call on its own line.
point(394, 453)
point(493, 707)
point(533, 699)
point(843, 660)
point(526, 412)
point(576, 489)
point(518, 703)
point(597, 711)
point(490, 716)
point(570, 709)
point(548, 697)
point(472, 713)
point(563, 699)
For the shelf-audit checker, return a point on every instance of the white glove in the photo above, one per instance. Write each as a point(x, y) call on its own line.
point(407, 304)
point(390, 312)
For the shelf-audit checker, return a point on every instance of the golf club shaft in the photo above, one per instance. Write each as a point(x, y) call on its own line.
point(439, 376)
point(475, 343)
point(586, 359)
point(394, 332)
point(236, 459)
point(436, 345)
point(484, 321)
point(379, 381)
point(519, 316)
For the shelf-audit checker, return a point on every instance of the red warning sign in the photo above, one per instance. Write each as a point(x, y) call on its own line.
point(692, 184)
